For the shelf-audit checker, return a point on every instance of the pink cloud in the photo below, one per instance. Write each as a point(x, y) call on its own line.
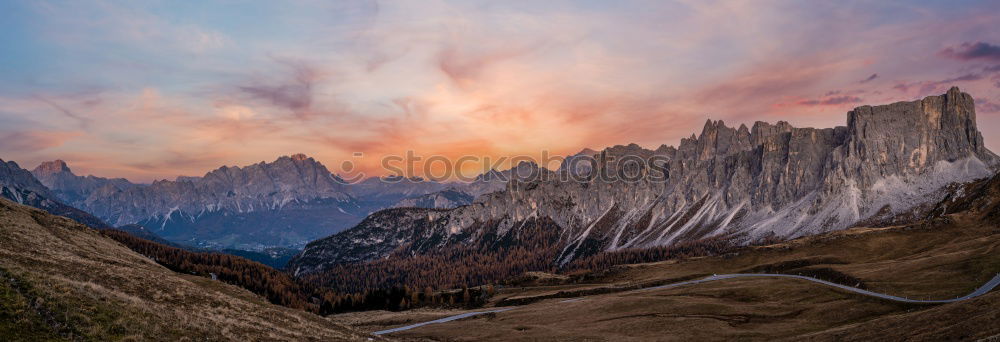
point(869, 79)
point(831, 101)
point(973, 51)
point(987, 106)
point(33, 141)
point(294, 91)
point(931, 87)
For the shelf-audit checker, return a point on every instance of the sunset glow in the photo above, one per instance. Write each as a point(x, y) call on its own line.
point(147, 91)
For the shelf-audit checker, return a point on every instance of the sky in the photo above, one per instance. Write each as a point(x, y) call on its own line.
point(155, 89)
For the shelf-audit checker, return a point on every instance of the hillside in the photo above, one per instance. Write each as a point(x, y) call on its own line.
point(63, 280)
point(946, 252)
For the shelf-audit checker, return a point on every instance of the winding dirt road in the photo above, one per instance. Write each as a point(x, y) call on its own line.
point(978, 292)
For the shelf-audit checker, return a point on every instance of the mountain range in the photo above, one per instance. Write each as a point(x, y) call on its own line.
point(892, 169)
point(744, 183)
point(285, 203)
point(747, 184)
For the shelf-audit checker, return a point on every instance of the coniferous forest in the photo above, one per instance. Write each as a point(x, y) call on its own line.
point(456, 277)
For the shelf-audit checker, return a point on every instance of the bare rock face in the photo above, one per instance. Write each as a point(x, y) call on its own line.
point(231, 188)
point(494, 180)
point(579, 163)
point(283, 203)
point(13, 177)
point(445, 199)
point(457, 194)
point(58, 177)
point(747, 183)
point(19, 185)
point(384, 192)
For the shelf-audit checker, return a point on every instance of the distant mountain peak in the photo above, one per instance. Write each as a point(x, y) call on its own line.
point(21, 186)
point(50, 167)
point(299, 161)
point(526, 163)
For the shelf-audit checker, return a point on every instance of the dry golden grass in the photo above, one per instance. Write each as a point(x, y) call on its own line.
point(374, 320)
point(62, 280)
point(936, 261)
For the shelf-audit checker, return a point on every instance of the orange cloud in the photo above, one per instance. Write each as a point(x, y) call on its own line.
point(34, 141)
point(454, 79)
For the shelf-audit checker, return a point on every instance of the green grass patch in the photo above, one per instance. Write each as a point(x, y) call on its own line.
point(19, 318)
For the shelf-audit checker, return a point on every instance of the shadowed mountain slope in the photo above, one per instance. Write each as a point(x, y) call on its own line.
point(63, 280)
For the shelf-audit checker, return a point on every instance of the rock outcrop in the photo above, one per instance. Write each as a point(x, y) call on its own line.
point(445, 199)
point(69, 187)
point(747, 183)
point(286, 202)
point(19, 185)
point(425, 194)
point(384, 192)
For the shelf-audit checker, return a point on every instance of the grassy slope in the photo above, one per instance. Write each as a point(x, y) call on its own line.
point(945, 259)
point(60, 279)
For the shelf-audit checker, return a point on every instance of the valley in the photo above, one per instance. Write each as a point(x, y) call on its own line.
point(934, 259)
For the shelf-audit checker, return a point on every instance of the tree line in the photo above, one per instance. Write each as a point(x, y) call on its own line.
point(277, 286)
point(283, 289)
point(459, 276)
point(704, 247)
point(535, 249)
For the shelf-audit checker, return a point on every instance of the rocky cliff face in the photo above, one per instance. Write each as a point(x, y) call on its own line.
point(457, 194)
point(17, 180)
point(445, 199)
point(58, 177)
point(19, 185)
point(285, 202)
point(383, 192)
point(748, 183)
point(394, 191)
point(579, 163)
